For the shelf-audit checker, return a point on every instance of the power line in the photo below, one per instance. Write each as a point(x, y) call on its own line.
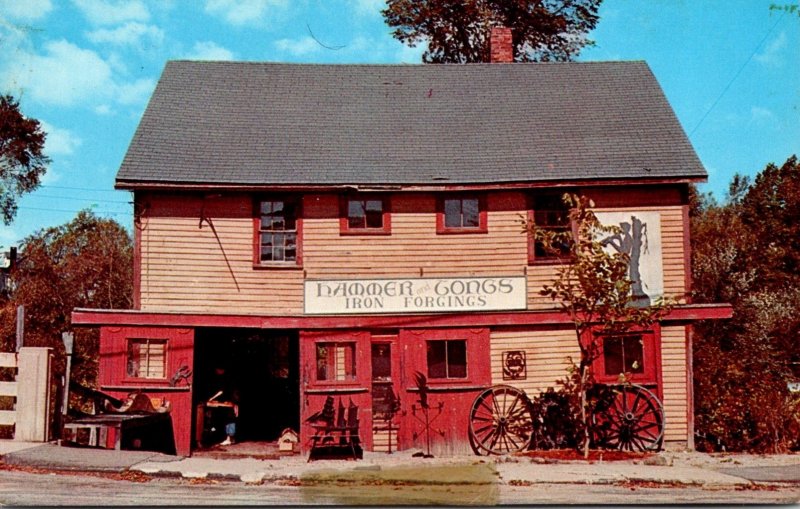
point(737, 74)
point(81, 199)
point(85, 189)
point(44, 209)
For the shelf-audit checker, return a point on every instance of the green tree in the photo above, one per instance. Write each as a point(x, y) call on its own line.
point(22, 160)
point(592, 286)
point(86, 263)
point(457, 31)
point(746, 252)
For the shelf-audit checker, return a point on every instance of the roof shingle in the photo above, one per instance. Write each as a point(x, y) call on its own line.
point(238, 123)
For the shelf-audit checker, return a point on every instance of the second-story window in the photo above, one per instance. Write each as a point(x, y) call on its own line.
point(462, 214)
point(364, 216)
point(278, 231)
point(550, 214)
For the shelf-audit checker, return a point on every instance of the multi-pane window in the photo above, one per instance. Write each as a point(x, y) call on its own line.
point(364, 214)
point(623, 354)
point(147, 358)
point(462, 213)
point(447, 358)
point(551, 215)
point(336, 362)
point(278, 231)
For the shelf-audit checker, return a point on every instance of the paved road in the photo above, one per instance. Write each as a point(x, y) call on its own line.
point(21, 488)
point(788, 473)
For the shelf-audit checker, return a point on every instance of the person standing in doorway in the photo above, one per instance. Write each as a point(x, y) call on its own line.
point(226, 398)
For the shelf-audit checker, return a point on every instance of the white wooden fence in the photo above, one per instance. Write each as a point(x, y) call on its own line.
point(31, 391)
point(8, 388)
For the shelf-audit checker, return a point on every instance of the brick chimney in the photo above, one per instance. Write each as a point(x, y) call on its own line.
point(501, 48)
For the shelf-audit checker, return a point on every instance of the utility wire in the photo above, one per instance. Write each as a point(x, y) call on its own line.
point(44, 209)
point(737, 74)
point(81, 199)
point(84, 188)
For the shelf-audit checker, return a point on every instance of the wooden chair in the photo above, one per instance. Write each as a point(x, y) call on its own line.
point(335, 438)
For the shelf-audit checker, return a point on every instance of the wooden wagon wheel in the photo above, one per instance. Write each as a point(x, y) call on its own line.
point(632, 420)
point(500, 421)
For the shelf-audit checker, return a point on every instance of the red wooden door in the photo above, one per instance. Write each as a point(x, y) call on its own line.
point(335, 364)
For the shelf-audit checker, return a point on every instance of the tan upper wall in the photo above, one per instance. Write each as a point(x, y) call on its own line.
point(207, 266)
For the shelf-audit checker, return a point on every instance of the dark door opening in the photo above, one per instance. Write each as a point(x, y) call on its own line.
point(261, 369)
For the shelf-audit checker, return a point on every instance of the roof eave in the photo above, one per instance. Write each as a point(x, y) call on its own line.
point(131, 185)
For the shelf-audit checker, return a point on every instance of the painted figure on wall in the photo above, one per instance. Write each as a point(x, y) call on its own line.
point(633, 241)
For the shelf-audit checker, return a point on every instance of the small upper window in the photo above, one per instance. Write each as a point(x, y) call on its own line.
point(365, 216)
point(551, 214)
point(462, 214)
point(336, 362)
point(447, 358)
point(146, 358)
point(278, 231)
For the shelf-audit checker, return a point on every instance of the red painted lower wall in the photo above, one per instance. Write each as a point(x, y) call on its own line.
point(180, 352)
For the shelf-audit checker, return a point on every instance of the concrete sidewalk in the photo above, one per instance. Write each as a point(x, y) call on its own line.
point(399, 467)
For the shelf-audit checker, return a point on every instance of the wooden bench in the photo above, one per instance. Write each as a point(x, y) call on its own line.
point(336, 437)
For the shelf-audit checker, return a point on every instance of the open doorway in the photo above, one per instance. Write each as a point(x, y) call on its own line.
point(262, 370)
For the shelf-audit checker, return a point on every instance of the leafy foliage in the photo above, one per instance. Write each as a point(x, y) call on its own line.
point(86, 263)
point(457, 31)
point(594, 289)
point(747, 252)
point(22, 160)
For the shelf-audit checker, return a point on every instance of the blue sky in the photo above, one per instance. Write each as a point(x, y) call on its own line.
point(86, 68)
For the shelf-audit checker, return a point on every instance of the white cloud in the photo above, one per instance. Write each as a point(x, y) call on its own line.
point(112, 12)
point(408, 55)
point(358, 49)
point(208, 50)
point(761, 116)
point(8, 237)
point(368, 7)
point(242, 12)
point(772, 54)
point(298, 47)
point(50, 177)
point(129, 34)
point(67, 75)
point(59, 141)
point(27, 9)
point(136, 92)
point(103, 109)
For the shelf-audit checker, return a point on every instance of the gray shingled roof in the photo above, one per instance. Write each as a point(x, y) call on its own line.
point(264, 123)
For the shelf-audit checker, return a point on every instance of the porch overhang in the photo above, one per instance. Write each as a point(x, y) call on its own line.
point(112, 317)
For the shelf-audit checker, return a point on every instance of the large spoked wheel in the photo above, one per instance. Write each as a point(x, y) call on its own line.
point(631, 420)
point(500, 421)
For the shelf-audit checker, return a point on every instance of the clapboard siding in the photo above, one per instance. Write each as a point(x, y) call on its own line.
point(674, 377)
point(189, 266)
point(207, 266)
point(546, 353)
point(414, 248)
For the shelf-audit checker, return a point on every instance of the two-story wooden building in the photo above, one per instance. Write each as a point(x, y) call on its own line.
point(334, 229)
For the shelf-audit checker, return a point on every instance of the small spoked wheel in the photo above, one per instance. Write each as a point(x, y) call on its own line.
point(500, 421)
point(632, 420)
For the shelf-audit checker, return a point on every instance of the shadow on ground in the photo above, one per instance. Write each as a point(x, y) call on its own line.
point(475, 484)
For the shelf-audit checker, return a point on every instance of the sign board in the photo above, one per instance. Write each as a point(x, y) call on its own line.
point(414, 295)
